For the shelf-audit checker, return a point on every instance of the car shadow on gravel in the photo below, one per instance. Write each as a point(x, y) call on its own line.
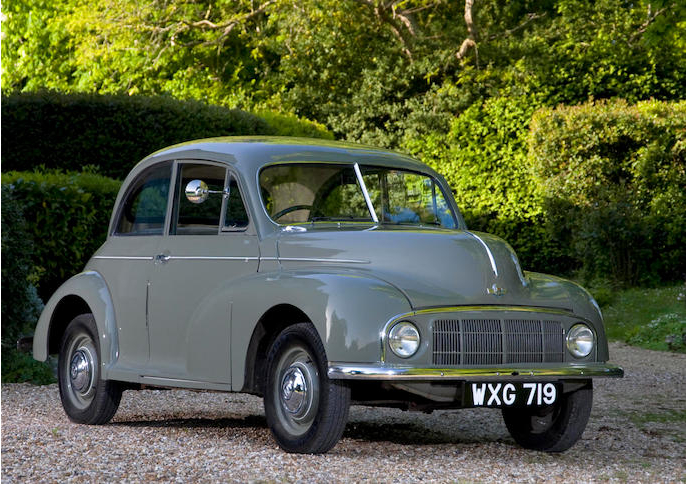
point(403, 434)
point(256, 421)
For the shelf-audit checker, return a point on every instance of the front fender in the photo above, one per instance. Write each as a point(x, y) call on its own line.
point(580, 301)
point(91, 287)
point(349, 311)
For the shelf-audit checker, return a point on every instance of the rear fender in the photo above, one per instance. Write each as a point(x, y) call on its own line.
point(92, 289)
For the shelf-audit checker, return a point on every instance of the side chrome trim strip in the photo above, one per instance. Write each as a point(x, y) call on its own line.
point(486, 247)
point(352, 371)
point(202, 257)
point(123, 257)
point(248, 258)
point(370, 207)
point(314, 259)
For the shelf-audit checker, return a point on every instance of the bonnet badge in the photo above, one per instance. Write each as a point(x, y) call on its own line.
point(496, 290)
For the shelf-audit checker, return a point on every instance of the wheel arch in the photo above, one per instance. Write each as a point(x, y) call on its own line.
point(84, 293)
point(66, 309)
point(270, 324)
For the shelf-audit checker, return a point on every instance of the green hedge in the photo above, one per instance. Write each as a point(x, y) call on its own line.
point(114, 132)
point(595, 191)
point(66, 214)
point(612, 180)
point(21, 305)
point(484, 159)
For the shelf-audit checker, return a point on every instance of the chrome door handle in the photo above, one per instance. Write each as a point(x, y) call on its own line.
point(161, 258)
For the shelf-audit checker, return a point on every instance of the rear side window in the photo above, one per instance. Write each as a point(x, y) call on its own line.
point(145, 204)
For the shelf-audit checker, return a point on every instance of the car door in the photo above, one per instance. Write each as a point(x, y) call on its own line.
point(126, 260)
point(210, 244)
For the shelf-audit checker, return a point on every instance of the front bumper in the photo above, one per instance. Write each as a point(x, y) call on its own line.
point(352, 371)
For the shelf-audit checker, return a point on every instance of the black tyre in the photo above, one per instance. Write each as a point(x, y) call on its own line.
point(86, 398)
point(305, 410)
point(554, 428)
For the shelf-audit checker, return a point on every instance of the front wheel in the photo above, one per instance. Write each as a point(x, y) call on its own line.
point(305, 410)
point(555, 428)
point(86, 398)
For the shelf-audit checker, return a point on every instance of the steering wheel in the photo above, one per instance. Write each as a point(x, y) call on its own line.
point(290, 209)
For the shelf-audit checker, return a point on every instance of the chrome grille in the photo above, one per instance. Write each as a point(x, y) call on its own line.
point(483, 341)
point(447, 342)
point(496, 341)
point(554, 341)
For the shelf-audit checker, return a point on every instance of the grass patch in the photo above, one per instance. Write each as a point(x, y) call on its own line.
point(667, 416)
point(664, 422)
point(652, 318)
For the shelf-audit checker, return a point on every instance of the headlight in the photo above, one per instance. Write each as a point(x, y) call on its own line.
point(580, 340)
point(404, 339)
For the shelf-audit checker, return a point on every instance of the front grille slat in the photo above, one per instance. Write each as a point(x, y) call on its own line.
point(496, 341)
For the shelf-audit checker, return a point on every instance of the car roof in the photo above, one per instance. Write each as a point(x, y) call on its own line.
point(250, 153)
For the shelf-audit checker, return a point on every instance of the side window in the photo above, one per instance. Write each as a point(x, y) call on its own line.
point(145, 205)
point(201, 218)
point(236, 217)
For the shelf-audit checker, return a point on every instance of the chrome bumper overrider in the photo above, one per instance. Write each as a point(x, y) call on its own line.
point(351, 371)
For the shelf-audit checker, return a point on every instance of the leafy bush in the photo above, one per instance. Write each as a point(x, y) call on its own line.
point(668, 329)
point(21, 367)
point(612, 178)
point(652, 318)
point(21, 306)
point(114, 132)
point(292, 125)
point(67, 216)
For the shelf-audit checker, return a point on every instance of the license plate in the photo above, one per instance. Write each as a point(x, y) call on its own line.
point(512, 394)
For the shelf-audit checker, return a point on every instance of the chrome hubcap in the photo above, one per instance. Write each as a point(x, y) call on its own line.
point(80, 371)
point(297, 390)
point(294, 390)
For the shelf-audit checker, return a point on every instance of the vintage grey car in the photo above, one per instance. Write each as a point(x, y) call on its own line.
point(318, 274)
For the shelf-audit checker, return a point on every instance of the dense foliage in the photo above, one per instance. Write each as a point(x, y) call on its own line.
point(612, 177)
point(67, 216)
point(20, 303)
point(371, 70)
point(115, 132)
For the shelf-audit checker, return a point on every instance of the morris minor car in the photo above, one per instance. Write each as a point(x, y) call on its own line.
point(318, 274)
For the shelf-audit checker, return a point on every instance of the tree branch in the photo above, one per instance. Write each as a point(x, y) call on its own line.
point(530, 18)
point(400, 22)
point(471, 40)
point(643, 28)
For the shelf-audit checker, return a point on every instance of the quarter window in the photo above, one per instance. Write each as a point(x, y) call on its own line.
point(236, 217)
point(145, 205)
point(204, 217)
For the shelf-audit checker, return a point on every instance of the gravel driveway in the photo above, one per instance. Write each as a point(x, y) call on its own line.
point(636, 433)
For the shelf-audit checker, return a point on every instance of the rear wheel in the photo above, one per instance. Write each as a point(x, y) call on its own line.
point(305, 410)
point(554, 428)
point(86, 398)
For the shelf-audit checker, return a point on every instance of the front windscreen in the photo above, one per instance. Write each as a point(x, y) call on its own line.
point(407, 198)
point(311, 192)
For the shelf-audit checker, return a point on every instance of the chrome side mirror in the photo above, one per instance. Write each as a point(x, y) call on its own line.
point(197, 191)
